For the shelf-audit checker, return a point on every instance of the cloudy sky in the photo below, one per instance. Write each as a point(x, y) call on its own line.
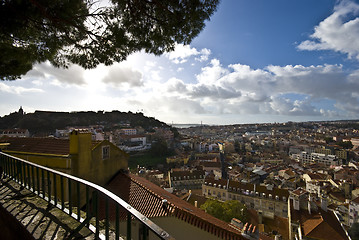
point(256, 61)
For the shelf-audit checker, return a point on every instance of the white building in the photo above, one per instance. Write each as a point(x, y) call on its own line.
point(16, 132)
point(328, 160)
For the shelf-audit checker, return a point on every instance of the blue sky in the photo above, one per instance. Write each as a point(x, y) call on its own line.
point(256, 61)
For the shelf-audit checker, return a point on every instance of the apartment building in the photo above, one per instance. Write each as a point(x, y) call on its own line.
point(190, 179)
point(321, 158)
point(16, 132)
point(268, 200)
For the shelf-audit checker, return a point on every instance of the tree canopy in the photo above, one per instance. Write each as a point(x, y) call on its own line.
point(89, 32)
point(226, 210)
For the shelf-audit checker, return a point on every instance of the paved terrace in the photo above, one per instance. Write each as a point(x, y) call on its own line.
point(24, 215)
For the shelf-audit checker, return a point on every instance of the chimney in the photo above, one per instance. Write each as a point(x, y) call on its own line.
point(324, 202)
point(80, 151)
point(310, 204)
point(245, 228)
point(296, 205)
point(195, 203)
point(260, 217)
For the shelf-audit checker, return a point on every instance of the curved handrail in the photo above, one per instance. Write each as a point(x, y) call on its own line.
point(139, 216)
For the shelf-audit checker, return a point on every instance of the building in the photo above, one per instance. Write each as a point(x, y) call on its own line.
point(190, 179)
point(129, 131)
point(183, 159)
point(95, 161)
point(268, 200)
point(133, 142)
point(354, 211)
point(310, 218)
point(16, 132)
point(327, 160)
point(178, 217)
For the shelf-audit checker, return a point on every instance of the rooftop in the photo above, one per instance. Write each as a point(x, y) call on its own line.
point(137, 191)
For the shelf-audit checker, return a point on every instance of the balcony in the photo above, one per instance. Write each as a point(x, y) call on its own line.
point(98, 213)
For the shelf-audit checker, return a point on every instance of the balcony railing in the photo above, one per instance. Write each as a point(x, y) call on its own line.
point(87, 202)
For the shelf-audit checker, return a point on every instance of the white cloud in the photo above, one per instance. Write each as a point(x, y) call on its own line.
point(212, 74)
point(284, 106)
point(72, 75)
point(204, 55)
point(239, 89)
point(18, 89)
point(337, 32)
point(175, 85)
point(123, 76)
point(182, 53)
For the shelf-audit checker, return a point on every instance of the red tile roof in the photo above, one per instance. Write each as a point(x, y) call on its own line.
point(235, 186)
point(319, 224)
point(356, 200)
point(37, 145)
point(299, 191)
point(48, 145)
point(147, 198)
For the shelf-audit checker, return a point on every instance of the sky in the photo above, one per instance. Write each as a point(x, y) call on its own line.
point(256, 61)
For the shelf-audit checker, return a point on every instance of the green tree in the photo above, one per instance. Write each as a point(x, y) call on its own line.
point(159, 148)
point(346, 144)
point(226, 210)
point(88, 33)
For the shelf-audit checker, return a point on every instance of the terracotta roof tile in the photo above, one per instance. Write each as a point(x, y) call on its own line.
point(37, 145)
point(40, 145)
point(319, 224)
point(356, 200)
point(235, 186)
point(147, 198)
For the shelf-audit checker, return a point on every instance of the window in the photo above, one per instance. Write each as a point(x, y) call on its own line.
point(105, 152)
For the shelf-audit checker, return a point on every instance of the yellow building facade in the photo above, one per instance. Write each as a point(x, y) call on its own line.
point(79, 156)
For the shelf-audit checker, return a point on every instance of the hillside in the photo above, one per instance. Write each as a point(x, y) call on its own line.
point(47, 122)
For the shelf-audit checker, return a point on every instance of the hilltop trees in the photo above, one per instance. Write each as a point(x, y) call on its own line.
point(88, 32)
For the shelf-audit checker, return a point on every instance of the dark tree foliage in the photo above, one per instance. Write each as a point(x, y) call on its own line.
point(87, 32)
point(43, 121)
point(160, 148)
point(346, 144)
point(226, 210)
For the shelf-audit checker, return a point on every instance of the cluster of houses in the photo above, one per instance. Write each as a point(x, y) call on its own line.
point(293, 183)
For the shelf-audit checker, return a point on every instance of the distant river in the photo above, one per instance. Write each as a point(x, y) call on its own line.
point(184, 125)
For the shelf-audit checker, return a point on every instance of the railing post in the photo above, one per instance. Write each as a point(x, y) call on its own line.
point(87, 203)
point(43, 183)
point(62, 192)
point(38, 181)
point(107, 232)
point(129, 216)
point(48, 186)
point(95, 212)
point(28, 176)
point(55, 188)
point(78, 200)
point(18, 170)
point(144, 232)
point(70, 195)
point(117, 227)
point(33, 178)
